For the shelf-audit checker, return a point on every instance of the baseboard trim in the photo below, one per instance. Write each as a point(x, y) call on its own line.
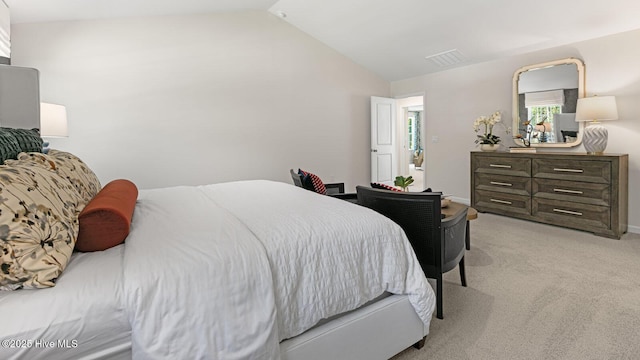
point(460, 200)
point(633, 229)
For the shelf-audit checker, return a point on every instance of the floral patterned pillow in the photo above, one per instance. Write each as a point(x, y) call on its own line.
point(32, 158)
point(70, 167)
point(38, 225)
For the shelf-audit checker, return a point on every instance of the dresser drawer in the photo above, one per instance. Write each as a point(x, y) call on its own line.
point(580, 192)
point(503, 166)
point(574, 170)
point(574, 215)
point(502, 203)
point(517, 185)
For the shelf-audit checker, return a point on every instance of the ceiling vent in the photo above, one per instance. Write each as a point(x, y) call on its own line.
point(447, 58)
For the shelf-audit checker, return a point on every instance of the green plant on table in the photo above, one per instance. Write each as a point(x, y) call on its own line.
point(403, 182)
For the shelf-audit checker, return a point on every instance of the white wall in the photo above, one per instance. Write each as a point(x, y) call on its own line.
point(203, 99)
point(455, 98)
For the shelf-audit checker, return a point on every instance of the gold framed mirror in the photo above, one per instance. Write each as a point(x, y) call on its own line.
point(545, 96)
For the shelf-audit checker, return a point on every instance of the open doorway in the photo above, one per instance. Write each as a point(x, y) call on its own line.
point(415, 146)
point(397, 140)
point(410, 139)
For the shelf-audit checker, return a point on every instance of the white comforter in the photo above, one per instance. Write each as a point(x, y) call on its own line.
point(227, 271)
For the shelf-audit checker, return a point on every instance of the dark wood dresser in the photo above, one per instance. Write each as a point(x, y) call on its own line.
point(579, 191)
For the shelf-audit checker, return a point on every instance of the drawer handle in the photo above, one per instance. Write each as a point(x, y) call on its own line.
point(568, 191)
point(500, 183)
point(501, 201)
point(500, 166)
point(568, 170)
point(568, 212)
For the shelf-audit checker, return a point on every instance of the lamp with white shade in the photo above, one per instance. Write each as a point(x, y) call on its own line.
point(53, 122)
point(596, 109)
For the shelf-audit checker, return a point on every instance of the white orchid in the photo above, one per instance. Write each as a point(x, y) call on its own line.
point(489, 122)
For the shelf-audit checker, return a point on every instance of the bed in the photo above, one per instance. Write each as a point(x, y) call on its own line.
point(241, 270)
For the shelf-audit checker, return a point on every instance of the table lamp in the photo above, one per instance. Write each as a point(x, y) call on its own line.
point(596, 109)
point(53, 122)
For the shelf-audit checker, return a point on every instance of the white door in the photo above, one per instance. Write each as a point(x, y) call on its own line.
point(383, 135)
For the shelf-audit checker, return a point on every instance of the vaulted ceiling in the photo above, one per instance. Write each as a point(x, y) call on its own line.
point(395, 39)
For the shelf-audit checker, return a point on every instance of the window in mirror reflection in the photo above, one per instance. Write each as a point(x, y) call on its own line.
point(543, 118)
point(550, 113)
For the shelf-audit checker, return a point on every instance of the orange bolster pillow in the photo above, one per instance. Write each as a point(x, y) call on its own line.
point(105, 221)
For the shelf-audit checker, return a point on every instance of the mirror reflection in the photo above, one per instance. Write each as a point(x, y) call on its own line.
point(545, 99)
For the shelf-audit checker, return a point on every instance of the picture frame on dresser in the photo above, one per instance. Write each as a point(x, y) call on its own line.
point(578, 191)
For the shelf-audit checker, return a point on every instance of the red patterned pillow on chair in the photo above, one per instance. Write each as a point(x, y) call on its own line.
point(312, 182)
point(384, 187)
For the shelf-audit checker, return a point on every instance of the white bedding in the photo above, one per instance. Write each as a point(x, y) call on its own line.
point(197, 283)
point(228, 270)
point(224, 271)
point(327, 256)
point(84, 306)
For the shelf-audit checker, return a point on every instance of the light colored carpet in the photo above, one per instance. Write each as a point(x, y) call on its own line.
point(539, 292)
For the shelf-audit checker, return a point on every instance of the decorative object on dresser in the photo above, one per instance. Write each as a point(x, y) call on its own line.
point(596, 109)
point(488, 140)
point(520, 149)
point(489, 147)
point(579, 191)
point(525, 134)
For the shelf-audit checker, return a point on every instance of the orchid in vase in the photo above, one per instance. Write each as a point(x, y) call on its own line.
point(486, 124)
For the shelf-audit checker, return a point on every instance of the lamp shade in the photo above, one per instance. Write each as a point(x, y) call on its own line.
point(597, 108)
point(53, 120)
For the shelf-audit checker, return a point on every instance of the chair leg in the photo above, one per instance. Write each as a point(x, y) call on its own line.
point(467, 237)
point(439, 297)
point(463, 277)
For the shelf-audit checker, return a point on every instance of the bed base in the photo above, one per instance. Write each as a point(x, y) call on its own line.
point(379, 330)
point(376, 331)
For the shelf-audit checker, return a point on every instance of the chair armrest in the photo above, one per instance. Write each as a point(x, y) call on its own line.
point(350, 197)
point(334, 188)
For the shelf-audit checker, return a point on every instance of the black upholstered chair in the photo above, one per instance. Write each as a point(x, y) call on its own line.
point(566, 133)
point(439, 243)
point(333, 189)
